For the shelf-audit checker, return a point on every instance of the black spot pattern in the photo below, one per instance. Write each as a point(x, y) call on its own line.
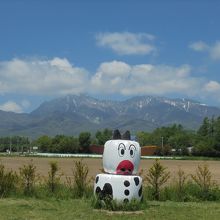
point(126, 183)
point(97, 190)
point(126, 192)
point(107, 189)
point(140, 191)
point(136, 180)
point(126, 200)
point(107, 192)
point(97, 179)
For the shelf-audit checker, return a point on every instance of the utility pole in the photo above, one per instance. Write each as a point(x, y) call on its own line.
point(10, 146)
point(162, 144)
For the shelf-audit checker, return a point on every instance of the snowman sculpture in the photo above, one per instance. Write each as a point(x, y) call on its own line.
point(121, 158)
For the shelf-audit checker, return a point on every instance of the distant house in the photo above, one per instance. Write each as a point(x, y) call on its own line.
point(96, 149)
point(149, 150)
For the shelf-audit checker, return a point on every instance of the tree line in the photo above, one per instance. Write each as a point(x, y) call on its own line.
point(56, 144)
point(179, 141)
point(170, 140)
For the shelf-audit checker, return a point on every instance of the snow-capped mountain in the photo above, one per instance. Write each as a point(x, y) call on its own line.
point(75, 113)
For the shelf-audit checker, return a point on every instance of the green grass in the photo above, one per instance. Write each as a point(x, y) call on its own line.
point(29, 208)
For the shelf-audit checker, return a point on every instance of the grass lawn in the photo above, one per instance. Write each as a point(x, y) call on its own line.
point(25, 209)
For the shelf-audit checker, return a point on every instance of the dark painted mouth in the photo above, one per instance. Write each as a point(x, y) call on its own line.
point(125, 167)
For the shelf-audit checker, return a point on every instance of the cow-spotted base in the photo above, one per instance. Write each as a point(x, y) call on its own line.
point(122, 188)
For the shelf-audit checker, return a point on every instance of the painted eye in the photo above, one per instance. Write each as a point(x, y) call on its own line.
point(132, 149)
point(121, 150)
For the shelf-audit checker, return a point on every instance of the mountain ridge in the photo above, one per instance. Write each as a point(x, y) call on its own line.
point(73, 114)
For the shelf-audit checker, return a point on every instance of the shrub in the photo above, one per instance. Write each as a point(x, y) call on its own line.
point(156, 177)
point(8, 181)
point(28, 177)
point(190, 193)
point(180, 184)
point(203, 178)
point(176, 191)
point(80, 182)
point(53, 179)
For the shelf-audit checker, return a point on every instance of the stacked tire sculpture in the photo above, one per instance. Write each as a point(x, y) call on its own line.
point(121, 159)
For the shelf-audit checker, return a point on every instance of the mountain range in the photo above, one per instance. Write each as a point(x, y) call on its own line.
point(73, 114)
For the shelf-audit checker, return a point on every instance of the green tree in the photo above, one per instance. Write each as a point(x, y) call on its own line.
point(180, 141)
point(144, 138)
point(44, 143)
point(69, 145)
point(207, 142)
point(15, 143)
point(103, 136)
point(85, 141)
point(56, 147)
point(204, 129)
point(216, 134)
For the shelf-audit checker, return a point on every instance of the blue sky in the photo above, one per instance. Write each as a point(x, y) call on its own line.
point(108, 49)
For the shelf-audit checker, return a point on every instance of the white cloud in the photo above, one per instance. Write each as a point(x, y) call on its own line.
point(144, 79)
point(127, 43)
point(212, 91)
point(109, 76)
point(25, 104)
point(11, 106)
point(59, 77)
point(199, 46)
point(212, 86)
point(215, 51)
point(48, 77)
point(212, 50)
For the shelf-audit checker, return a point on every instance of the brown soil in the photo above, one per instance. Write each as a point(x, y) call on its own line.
point(95, 165)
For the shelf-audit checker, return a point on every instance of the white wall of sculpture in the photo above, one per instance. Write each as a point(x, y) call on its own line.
point(121, 159)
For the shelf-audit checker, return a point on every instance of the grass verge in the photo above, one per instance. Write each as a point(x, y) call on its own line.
point(46, 209)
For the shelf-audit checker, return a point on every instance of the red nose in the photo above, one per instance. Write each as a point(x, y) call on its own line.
point(125, 167)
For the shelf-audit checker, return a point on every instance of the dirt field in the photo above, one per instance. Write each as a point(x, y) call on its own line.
point(95, 165)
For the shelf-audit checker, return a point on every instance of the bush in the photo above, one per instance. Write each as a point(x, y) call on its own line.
point(28, 177)
point(8, 181)
point(180, 185)
point(53, 179)
point(80, 183)
point(156, 177)
point(203, 178)
point(170, 192)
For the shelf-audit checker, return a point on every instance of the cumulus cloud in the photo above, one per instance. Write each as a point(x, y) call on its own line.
point(59, 77)
point(212, 91)
point(127, 43)
point(212, 86)
point(11, 106)
point(119, 77)
point(212, 50)
point(48, 77)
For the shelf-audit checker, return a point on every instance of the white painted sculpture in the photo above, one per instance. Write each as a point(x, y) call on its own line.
point(121, 159)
